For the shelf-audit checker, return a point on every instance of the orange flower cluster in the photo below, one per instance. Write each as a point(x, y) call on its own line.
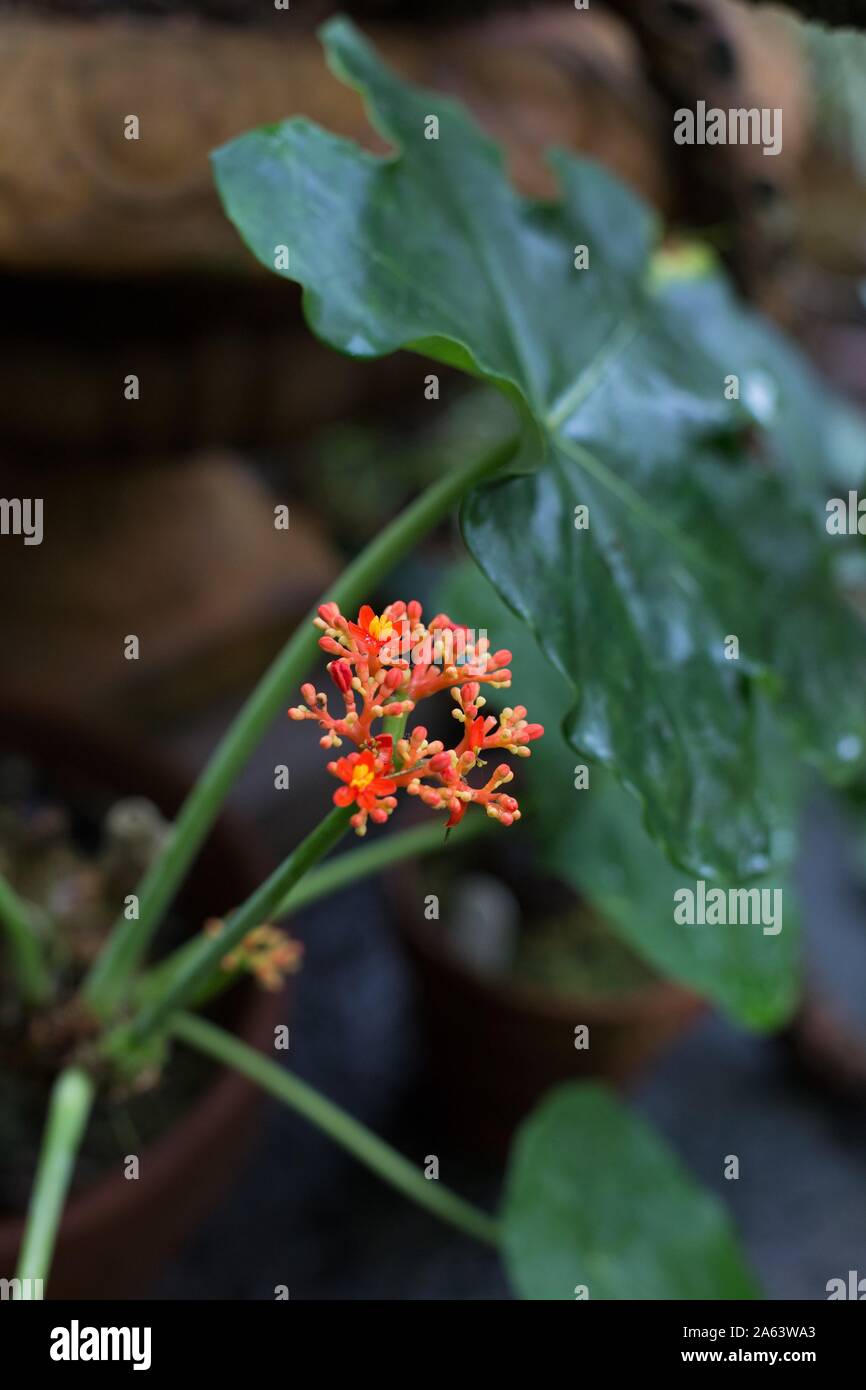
point(383, 665)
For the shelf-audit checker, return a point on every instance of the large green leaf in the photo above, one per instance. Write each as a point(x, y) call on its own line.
point(606, 855)
point(815, 439)
point(786, 606)
point(595, 1201)
point(592, 838)
point(638, 626)
point(433, 250)
point(645, 651)
point(617, 385)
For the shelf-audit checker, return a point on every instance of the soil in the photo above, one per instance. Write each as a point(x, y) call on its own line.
point(574, 952)
point(117, 1129)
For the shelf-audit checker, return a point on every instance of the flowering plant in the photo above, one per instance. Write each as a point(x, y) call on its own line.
point(611, 523)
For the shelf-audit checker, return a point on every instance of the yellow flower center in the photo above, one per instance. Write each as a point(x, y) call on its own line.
point(362, 776)
point(381, 628)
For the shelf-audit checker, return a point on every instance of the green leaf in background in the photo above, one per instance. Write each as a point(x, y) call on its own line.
point(618, 387)
point(593, 840)
point(594, 1198)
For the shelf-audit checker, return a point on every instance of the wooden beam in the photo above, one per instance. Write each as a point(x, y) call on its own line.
point(79, 195)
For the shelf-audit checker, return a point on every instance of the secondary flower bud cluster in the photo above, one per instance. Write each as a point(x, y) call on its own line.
point(267, 952)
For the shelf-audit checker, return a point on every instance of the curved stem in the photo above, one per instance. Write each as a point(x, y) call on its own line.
point(380, 854)
point(129, 940)
point(318, 883)
point(25, 951)
point(366, 1146)
point(196, 965)
point(69, 1107)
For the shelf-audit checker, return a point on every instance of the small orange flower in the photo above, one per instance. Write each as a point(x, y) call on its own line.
point(367, 784)
point(372, 630)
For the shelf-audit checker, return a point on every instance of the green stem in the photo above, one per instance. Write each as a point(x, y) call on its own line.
point(68, 1109)
point(129, 939)
point(366, 1146)
point(395, 725)
point(372, 858)
point(318, 883)
point(197, 965)
point(25, 951)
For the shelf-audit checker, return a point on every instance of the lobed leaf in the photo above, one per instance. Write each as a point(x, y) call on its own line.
point(618, 373)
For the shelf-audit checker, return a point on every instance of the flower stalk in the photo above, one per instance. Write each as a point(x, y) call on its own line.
point(199, 964)
point(68, 1111)
point(28, 966)
point(366, 1146)
point(319, 882)
point(372, 858)
point(127, 945)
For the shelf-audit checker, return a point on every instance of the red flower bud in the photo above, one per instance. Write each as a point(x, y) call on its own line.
point(341, 674)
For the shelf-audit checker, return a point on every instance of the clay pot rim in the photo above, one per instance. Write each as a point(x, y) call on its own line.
point(103, 1200)
point(252, 1014)
point(652, 1000)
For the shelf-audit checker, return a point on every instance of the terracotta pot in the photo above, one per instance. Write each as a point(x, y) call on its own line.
point(116, 1235)
point(496, 1044)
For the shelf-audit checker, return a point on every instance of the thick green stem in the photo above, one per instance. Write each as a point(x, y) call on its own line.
point(25, 951)
point(69, 1107)
point(366, 1146)
point(372, 858)
point(129, 940)
point(395, 725)
point(328, 878)
point(197, 965)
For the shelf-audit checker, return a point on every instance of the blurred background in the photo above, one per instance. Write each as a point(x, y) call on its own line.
point(116, 261)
